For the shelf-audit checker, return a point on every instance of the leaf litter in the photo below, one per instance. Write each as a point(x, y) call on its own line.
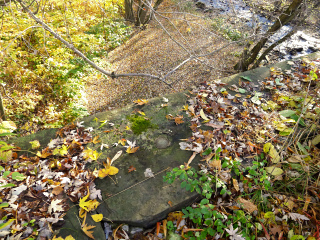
point(234, 128)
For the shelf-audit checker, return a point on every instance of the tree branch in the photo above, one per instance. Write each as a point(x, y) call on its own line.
point(80, 54)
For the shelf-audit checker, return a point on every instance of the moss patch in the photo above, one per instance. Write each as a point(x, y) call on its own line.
point(140, 124)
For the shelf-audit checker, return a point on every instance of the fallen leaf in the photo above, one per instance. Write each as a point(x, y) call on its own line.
point(235, 184)
point(35, 144)
point(55, 207)
point(131, 169)
point(88, 205)
point(247, 205)
point(148, 173)
point(170, 203)
point(132, 150)
point(86, 229)
point(108, 170)
point(178, 120)
point(95, 140)
point(141, 101)
point(57, 190)
point(97, 217)
point(203, 115)
point(122, 141)
point(275, 171)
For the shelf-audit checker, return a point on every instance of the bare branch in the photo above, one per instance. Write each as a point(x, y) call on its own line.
point(80, 54)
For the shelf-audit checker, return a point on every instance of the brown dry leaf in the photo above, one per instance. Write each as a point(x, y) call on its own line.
point(215, 164)
point(169, 117)
point(131, 169)
point(86, 229)
point(306, 204)
point(164, 226)
point(114, 234)
point(294, 159)
point(178, 119)
point(214, 125)
point(235, 184)
point(191, 158)
point(247, 205)
point(44, 153)
point(57, 190)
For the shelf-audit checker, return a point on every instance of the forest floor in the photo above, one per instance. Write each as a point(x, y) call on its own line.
point(154, 51)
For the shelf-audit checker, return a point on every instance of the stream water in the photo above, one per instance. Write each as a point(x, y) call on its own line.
point(298, 45)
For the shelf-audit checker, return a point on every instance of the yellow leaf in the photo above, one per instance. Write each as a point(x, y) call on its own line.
point(128, 128)
point(97, 217)
point(93, 155)
point(108, 170)
point(266, 147)
point(60, 151)
point(203, 115)
point(122, 141)
point(132, 150)
point(7, 126)
point(44, 153)
point(35, 144)
point(60, 238)
point(142, 113)
point(185, 108)
point(69, 238)
point(86, 229)
point(95, 140)
point(141, 101)
point(88, 205)
point(274, 154)
point(280, 126)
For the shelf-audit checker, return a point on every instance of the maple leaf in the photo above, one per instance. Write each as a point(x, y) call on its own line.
point(63, 150)
point(44, 153)
point(131, 169)
point(86, 229)
point(178, 119)
point(54, 207)
point(132, 150)
point(90, 154)
point(88, 205)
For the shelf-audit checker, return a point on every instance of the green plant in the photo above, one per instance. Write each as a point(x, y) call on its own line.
point(140, 124)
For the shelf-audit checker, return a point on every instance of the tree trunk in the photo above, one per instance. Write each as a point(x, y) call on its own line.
point(288, 15)
point(128, 10)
